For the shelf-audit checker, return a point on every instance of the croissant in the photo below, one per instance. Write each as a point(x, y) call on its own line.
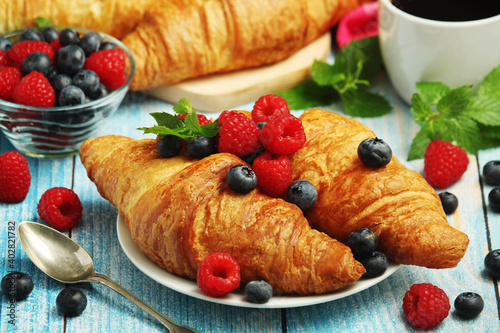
point(179, 210)
point(396, 202)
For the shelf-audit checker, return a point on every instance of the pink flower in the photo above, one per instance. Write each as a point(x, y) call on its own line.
point(358, 24)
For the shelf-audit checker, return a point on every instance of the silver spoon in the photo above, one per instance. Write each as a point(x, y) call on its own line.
point(63, 259)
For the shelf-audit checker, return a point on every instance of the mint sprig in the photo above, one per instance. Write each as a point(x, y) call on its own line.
point(187, 128)
point(347, 79)
point(467, 115)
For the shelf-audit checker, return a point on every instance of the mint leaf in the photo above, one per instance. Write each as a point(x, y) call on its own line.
point(485, 109)
point(183, 106)
point(462, 130)
point(456, 100)
point(325, 74)
point(164, 131)
point(192, 123)
point(362, 103)
point(42, 22)
point(167, 120)
point(490, 86)
point(309, 94)
point(420, 143)
point(432, 92)
point(370, 47)
point(210, 130)
point(420, 110)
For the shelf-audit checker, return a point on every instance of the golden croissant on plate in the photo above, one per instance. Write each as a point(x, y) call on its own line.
point(174, 40)
point(179, 210)
point(396, 202)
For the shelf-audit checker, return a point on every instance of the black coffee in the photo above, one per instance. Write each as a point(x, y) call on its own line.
point(450, 10)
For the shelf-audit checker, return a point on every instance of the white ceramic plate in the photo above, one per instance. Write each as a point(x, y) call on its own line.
point(235, 298)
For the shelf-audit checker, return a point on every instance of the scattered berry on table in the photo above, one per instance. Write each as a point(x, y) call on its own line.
point(302, 193)
point(491, 173)
point(425, 305)
point(492, 263)
point(268, 107)
point(494, 199)
point(169, 146)
point(449, 202)
point(283, 135)
point(362, 242)
point(201, 146)
point(69, 36)
point(60, 208)
point(49, 34)
point(258, 291)
point(20, 50)
point(16, 286)
point(9, 78)
point(374, 152)
point(15, 177)
point(109, 65)
point(34, 90)
point(71, 302)
point(36, 61)
point(241, 179)
point(444, 163)
point(274, 173)
point(218, 274)
point(70, 59)
point(71, 95)
point(375, 264)
point(469, 304)
point(238, 134)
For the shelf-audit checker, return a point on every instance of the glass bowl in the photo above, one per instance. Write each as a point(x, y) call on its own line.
point(59, 131)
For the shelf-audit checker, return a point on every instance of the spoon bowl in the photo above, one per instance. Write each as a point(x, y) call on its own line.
point(64, 260)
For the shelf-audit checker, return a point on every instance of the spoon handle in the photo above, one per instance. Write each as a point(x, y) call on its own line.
point(167, 322)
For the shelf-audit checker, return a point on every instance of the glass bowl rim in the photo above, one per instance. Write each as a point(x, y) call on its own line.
point(108, 99)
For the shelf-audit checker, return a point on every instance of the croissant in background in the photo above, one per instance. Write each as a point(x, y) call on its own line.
point(396, 202)
point(179, 210)
point(175, 40)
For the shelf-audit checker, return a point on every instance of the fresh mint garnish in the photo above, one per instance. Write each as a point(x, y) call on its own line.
point(187, 128)
point(347, 79)
point(468, 116)
point(42, 22)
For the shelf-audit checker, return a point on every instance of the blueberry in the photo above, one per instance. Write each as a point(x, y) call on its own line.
point(70, 59)
point(362, 242)
point(71, 302)
point(302, 193)
point(16, 286)
point(100, 92)
point(241, 179)
point(492, 263)
point(494, 199)
point(5, 44)
point(86, 80)
point(376, 264)
point(261, 124)
point(52, 73)
point(200, 147)
point(50, 34)
point(258, 291)
point(469, 305)
point(59, 82)
point(107, 46)
point(374, 152)
point(30, 34)
point(36, 61)
point(251, 157)
point(90, 42)
point(71, 95)
point(449, 202)
point(491, 173)
point(169, 146)
point(68, 37)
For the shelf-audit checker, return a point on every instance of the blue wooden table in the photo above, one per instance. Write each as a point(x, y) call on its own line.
point(377, 309)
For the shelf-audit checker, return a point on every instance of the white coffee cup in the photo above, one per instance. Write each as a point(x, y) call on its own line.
point(415, 49)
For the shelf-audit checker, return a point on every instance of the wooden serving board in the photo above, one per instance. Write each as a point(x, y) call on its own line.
point(219, 92)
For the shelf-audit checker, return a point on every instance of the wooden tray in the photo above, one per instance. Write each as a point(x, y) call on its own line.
point(216, 93)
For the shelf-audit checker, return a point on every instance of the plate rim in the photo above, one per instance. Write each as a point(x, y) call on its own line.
point(235, 298)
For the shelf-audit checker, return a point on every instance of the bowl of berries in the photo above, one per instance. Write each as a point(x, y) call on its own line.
point(58, 86)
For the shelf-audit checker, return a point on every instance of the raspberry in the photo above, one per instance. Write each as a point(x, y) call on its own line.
point(268, 107)
point(20, 50)
point(60, 208)
point(4, 59)
point(425, 305)
point(283, 135)
point(109, 65)
point(9, 78)
point(238, 134)
point(202, 119)
point(55, 44)
point(218, 274)
point(274, 173)
point(34, 90)
point(444, 163)
point(15, 177)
